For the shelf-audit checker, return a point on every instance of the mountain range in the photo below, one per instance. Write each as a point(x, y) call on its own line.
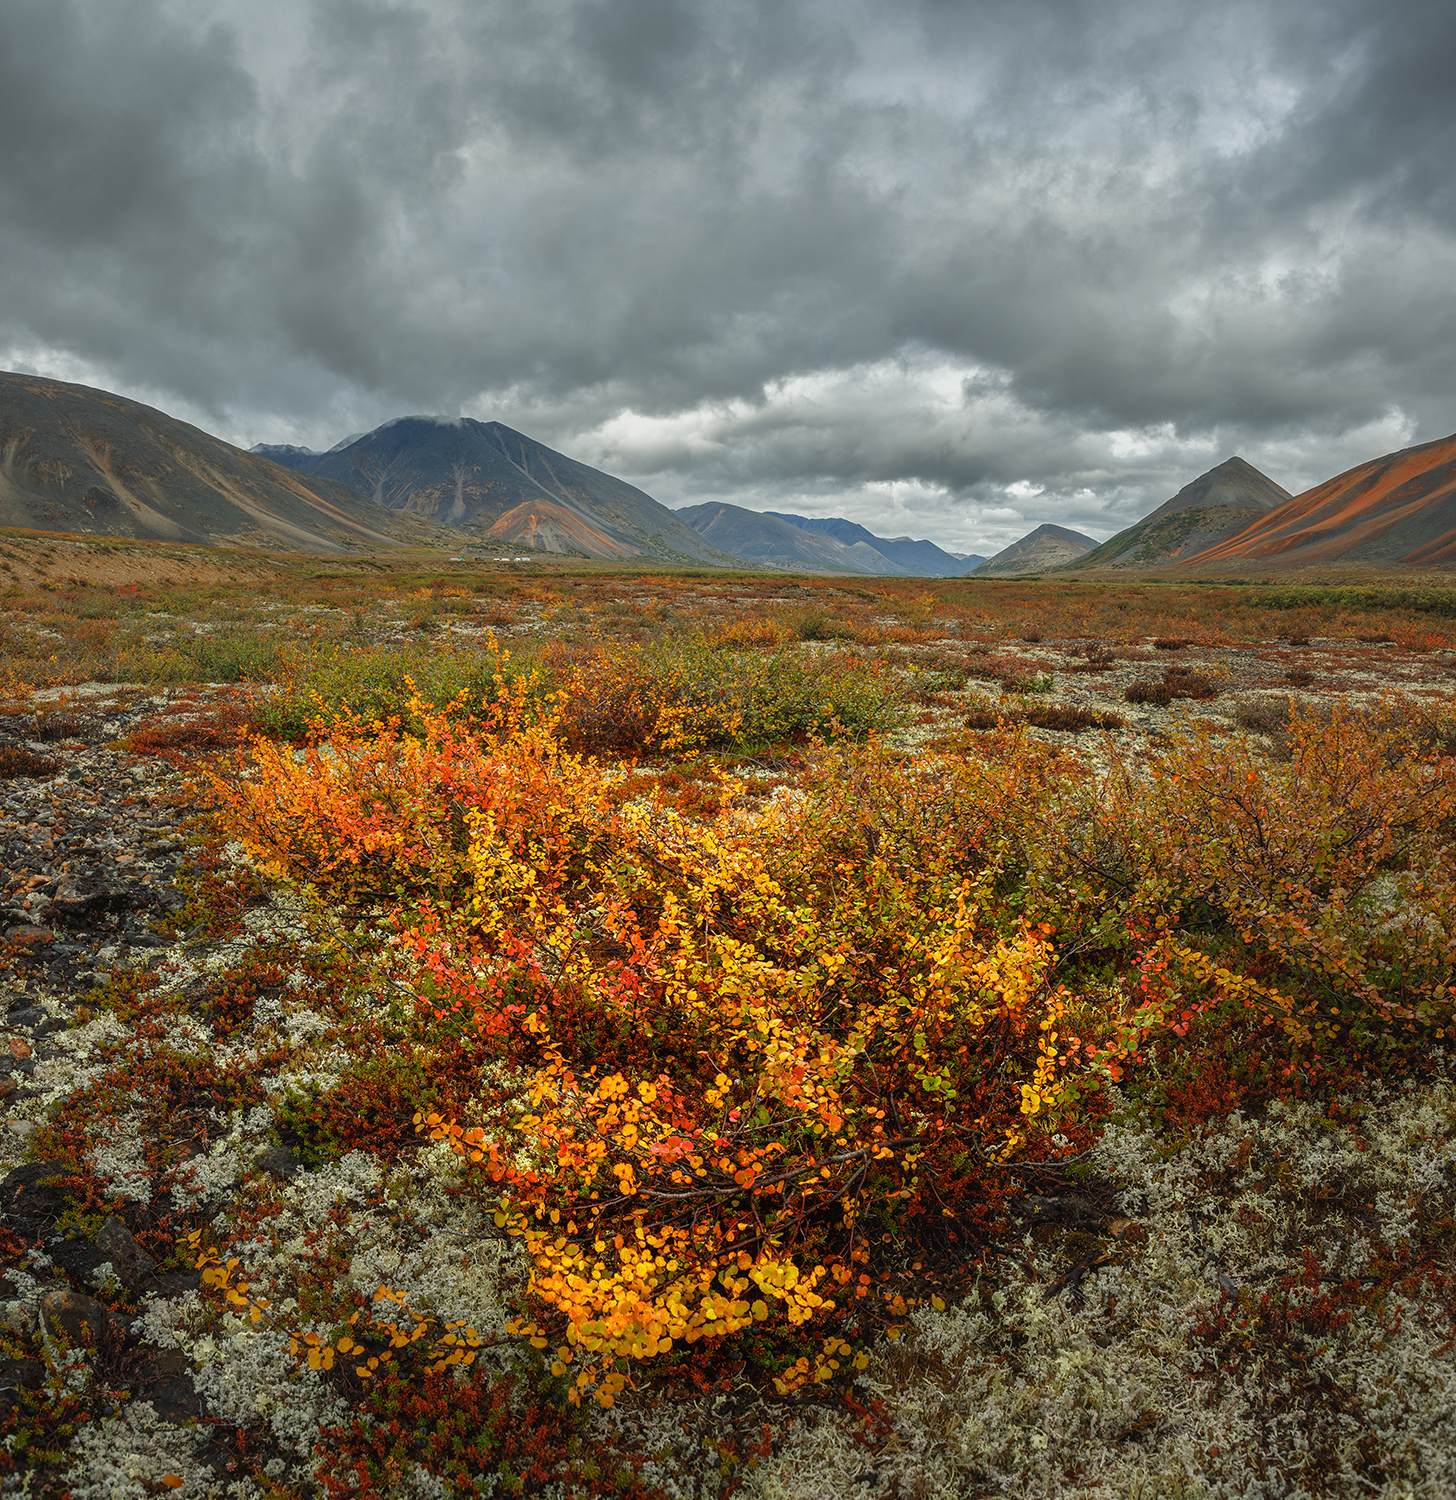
point(916, 559)
point(771, 539)
point(486, 478)
point(1396, 511)
point(83, 460)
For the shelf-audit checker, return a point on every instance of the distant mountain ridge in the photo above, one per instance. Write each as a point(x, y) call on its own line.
point(1040, 550)
point(1202, 514)
point(919, 559)
point(77, 459)
point(766, 541)
point(487, 478)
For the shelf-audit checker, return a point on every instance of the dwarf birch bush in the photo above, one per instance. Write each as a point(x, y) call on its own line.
point(753, 1056)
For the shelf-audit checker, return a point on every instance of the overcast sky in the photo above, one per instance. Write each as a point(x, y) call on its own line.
point(947, 267)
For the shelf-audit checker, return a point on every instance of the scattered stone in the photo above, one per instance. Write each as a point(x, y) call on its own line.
point(165, 1379)
point(18, 1375)
point(80, 1319)
point(1072, 1211)
point(29, 1200)
point(279, 1161)
point(78, 1260)
point(175, 1283)
point(132, 1264)
point(28, 937)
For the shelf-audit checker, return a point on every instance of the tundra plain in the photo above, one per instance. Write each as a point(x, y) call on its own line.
point(494, 1026)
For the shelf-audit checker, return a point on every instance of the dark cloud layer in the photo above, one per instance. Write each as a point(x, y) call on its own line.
point(948, 266)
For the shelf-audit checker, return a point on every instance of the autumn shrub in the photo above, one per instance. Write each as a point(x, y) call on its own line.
point(17, 760)
point(983, 716)
point(377, 684)
point(1069, 717)
point(814, 623)
point(216, 726)
point(609, 698)
point(236, 655)
point(1264, 714)
point(1178, 682)
point(1015, 674)
point(50, 727)
point(719, 1064)
point(486, 1427)
point(1316, 890)
point(1186, 682)
point(685, 694)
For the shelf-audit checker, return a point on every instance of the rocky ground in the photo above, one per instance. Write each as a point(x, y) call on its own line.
point(92, 837)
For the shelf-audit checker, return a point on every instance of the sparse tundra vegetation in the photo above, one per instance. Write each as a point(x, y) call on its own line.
point(593, 1031)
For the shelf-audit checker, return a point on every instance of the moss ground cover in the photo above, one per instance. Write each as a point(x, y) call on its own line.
point(660, 1034)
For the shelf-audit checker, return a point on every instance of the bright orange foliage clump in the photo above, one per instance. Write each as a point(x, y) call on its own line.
point(739, 1053)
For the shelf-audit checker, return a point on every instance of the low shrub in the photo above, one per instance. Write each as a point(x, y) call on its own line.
point(1069, 717)
point(610, 699)
point(1325, 876)
point(1185, 682)
point(685, 695)
point(724, 1076)
point(1266, 714)
point(1178, 682)
point(17, 760)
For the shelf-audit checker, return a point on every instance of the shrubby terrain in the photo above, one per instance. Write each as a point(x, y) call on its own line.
point(649, 1035)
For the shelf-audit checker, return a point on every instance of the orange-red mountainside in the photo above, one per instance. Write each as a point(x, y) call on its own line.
point(1399, 510)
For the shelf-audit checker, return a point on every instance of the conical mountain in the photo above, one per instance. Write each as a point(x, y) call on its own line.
point(1397, 511)
point(81, 460)
point(1202, 514)
point(1038, 551)
point(487, 478)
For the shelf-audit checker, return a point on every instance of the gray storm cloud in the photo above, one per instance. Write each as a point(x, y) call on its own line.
point(955, 267)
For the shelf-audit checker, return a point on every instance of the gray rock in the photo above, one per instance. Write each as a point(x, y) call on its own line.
point(132, 1264)
point(165, 1379)
point(279, 1161)
point(18, 1375)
